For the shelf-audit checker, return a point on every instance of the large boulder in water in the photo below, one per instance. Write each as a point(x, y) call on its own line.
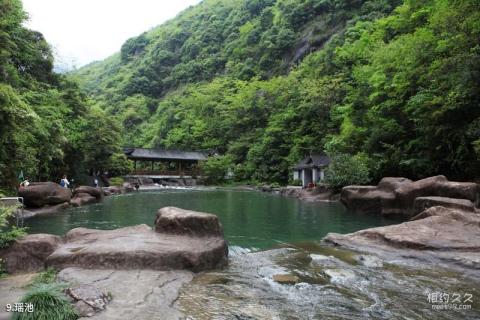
point(178, 221)
point(38, 194)
point(94, 192)
point(397, 195)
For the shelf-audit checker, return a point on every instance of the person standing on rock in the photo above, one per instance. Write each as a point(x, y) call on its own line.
point(95, 182)
point(64, 182)
point(25, 183)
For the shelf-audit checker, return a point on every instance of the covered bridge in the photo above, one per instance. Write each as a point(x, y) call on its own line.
point(165, 163)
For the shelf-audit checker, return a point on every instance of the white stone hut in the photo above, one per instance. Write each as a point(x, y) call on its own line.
point(311, 169)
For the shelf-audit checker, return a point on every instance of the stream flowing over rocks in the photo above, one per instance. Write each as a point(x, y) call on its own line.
point(330, 283)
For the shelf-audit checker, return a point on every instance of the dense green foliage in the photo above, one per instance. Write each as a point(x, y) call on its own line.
point(46, 125)
point(8, 232)
point(239, 39)
point(216, 168)
point(345, 170)
point(49, 302)
point(400, 89)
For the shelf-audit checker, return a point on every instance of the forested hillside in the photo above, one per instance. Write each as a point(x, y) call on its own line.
point(266, 82)
point(47, 128)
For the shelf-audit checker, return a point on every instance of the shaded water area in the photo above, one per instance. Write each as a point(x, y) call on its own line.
point(270, 235)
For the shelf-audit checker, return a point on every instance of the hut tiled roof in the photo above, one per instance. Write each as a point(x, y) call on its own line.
point(313, 161)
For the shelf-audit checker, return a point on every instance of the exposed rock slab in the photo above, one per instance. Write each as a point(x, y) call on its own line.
point(45, 211)
point(38, 194)
point(423, 203)
point(397, 195)
point(138, 294)
point(28, 254)
point(137, 247)
point(186, 240)
point(446, 234)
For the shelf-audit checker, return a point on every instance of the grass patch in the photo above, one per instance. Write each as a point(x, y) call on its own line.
point(46, 277)
point(49, 303)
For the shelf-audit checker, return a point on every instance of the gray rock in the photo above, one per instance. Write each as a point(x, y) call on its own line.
point(45, 211)
point(138, 247)
point(38, 194)
point(136, 294)
point(88, 299)
point(440, 234)
point(178, 221)
point(187, 240)
point(397, 195)
point(422, 203)
point(81, 199)
point(28, 253)
point(369, 261)
point(94, 192)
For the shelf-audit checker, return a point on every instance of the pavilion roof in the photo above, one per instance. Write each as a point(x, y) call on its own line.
point(162, 154)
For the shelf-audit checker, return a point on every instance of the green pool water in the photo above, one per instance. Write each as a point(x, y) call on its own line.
point(250, 219)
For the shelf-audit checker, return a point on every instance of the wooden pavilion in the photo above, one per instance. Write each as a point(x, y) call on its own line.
point(165, 163)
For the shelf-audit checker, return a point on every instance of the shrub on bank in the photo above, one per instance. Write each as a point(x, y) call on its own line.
point(295, 182)
point(345, 169)
point(116, 181)
point(216, 169)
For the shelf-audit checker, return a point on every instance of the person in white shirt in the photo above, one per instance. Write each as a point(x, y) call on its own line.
point(25, 183)
point(64, 182)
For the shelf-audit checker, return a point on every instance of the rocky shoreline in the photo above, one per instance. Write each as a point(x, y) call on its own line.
point(443, 237)
point(443, 226)
point(143, 268)
point(45, 198)
point(318, 194)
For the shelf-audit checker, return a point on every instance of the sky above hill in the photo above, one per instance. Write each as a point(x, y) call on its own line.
point(82, 31)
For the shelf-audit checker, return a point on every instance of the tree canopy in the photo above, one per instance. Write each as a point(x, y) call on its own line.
point(47, 127)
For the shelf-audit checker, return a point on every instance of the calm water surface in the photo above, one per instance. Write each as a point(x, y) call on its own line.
point(250, 219)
